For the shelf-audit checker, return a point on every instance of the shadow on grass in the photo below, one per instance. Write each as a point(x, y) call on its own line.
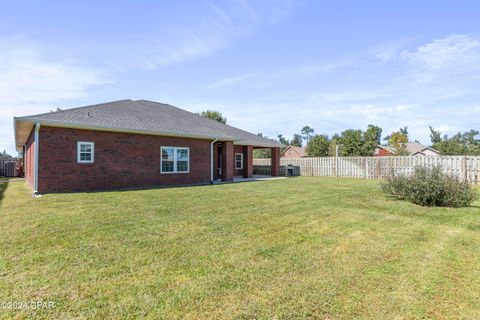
point(3, 188)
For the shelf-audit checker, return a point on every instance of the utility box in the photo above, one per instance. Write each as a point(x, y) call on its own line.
point(289, 171)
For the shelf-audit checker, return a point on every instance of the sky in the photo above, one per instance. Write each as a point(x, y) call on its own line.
point(268, 66)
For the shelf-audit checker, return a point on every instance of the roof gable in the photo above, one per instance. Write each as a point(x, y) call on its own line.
point(298, 150)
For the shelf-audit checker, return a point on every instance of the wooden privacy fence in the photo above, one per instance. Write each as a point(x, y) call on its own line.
point(8, 167)
point(466, 168)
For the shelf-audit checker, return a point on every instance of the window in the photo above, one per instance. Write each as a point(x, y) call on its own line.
point(85, 152)
point(174, 160)
point(238, 160)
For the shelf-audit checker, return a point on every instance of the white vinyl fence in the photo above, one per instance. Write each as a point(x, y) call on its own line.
point(466, 168)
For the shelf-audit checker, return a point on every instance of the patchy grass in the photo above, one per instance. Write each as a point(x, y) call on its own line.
point(288, 249)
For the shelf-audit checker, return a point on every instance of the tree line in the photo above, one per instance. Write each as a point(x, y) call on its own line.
point(357, 142)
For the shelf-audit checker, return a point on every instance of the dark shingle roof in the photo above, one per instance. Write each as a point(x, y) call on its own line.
point(149, 117)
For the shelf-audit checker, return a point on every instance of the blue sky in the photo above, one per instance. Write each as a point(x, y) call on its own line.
point(268, 66)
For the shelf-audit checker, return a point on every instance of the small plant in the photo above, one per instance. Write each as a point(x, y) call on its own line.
point(430, 187)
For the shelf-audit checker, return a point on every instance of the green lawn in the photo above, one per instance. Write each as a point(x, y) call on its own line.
point(297, 248)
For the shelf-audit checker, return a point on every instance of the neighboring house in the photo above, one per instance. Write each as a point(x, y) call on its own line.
point(293, 152)
point(382, 151)
point(413, 148)
point(131, 144)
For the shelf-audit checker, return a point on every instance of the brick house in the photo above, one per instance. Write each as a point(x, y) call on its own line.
point(293, 152)
point(132, 144)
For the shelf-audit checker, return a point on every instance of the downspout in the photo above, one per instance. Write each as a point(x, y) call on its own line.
point(36, 148)
point(211, 159)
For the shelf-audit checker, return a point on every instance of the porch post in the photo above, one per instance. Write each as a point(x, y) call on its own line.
point(275, 161)
point(247, 161)
point(228, 161)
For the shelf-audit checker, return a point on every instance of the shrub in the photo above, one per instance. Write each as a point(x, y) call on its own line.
point(430, 187)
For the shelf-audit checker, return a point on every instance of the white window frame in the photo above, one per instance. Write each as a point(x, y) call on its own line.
point(175, 149)
point(92, 146)
point(241, 161)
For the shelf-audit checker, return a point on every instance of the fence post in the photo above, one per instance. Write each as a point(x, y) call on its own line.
point(464, 167)
point(336, 166)
point(366, 168)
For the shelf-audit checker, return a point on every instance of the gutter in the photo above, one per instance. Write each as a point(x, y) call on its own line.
point(36, 148)
point(211, 159)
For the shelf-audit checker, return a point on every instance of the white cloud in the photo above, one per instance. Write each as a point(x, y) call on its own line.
point(215, 27)
point(435, 83)
point(31, 83)
point(263, 79)
point(444, 52)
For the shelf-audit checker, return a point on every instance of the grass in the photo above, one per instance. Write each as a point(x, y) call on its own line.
point(319, 248)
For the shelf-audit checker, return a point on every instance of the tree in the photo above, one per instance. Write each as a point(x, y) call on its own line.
point(296, 140)
point(307, 133)
point(214, 115)
point(397, 140)
point(404, 131)
point(352, 142)
point(261, 153)
point(459, 144)
point(371, 139)
point(264, 152)
point(334, 142)
point(318, 146)
point(283, 140)
point(435, 136)
point(5, 155)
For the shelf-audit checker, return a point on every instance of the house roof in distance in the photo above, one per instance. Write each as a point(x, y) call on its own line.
point(299, 150)
point(416, 147)
point(142, 117)
point(413, 148)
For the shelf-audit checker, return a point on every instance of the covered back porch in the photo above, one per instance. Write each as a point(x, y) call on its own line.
point(234, 161)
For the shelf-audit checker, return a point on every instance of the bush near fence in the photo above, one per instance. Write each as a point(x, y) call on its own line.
point(465, 168)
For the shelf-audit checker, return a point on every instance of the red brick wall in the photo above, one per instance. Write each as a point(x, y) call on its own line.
point(228, 169)
point(30, 159)
point(275, 161)
point(121, 161)
point(247, 161)
point(379, 152)
point(237, 149)
point(291, 154)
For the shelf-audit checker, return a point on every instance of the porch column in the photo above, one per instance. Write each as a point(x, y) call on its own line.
point(275, 161)
point(228, 161)
point(247, 161)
